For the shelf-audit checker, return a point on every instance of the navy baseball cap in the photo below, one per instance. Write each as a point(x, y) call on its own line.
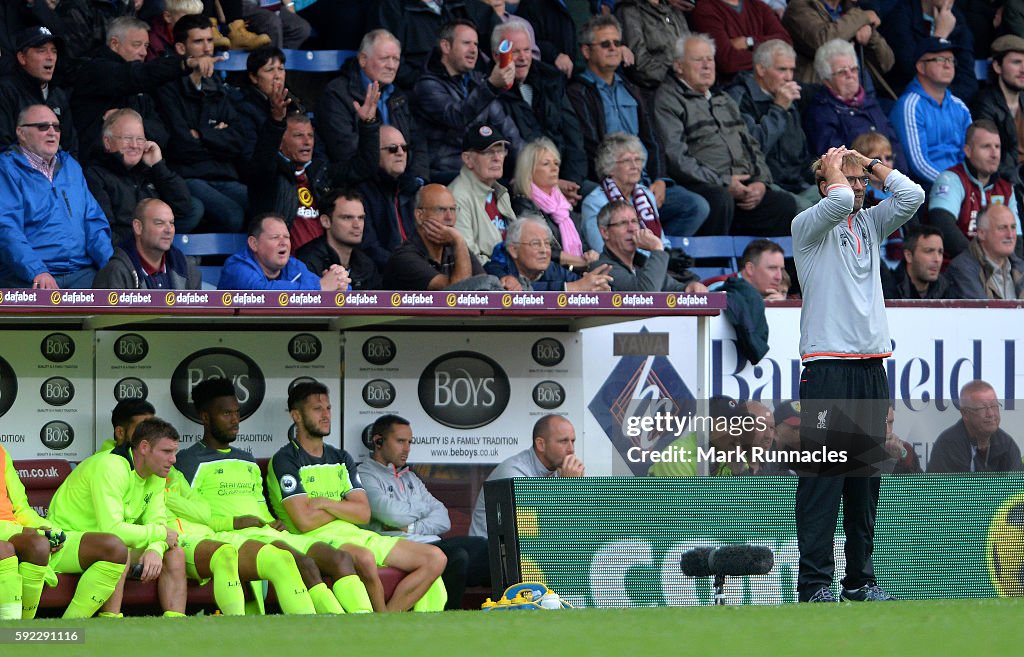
point(933, 44)
point(481, 137)
point(788, 412)
point(33, 37)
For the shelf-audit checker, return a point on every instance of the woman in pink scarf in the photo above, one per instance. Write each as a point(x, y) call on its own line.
point(536, 190)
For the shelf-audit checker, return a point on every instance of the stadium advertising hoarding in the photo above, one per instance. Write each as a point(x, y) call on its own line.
point(933, 357)
point(617, 542)
point(935, 352)
point(164, 366)
point(471, 397)
point(46, 394)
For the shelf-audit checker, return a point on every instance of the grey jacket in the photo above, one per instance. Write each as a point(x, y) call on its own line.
point(837, 261)
point(779, 133)
point(705, 140)
point(399, 499)
point(648, 273)
point(651, 32)
point(970, 274)
point(120, 274)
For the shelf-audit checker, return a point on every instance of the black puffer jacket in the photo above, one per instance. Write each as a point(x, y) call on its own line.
point(119, 189)
point(340, 131)
point(213, 155)
point(551, 116)
point(444, 113)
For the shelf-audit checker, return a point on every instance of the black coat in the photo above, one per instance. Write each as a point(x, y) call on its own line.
point(444, 112)
point(85, 25)
point(381, 196)
point(586, 101)
point(553, 25)
point(119, 189)
point(550, 115)
point(107, 81)
point(214, 154)
point(271, 177)
point(18, 91)
point(417, 29)
point(338, 127)
point(319, 256)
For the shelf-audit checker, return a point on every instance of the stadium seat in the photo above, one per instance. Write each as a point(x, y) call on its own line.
point(308, 61)
point(41, 477)
point(716, 248)
point(316, 61)
point(740, 242)
point(234, 60)
point(210, 244)
point(210, 250)
point(981, 67)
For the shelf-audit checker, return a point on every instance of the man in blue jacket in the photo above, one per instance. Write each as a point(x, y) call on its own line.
point(266, 263)
point(53, 233)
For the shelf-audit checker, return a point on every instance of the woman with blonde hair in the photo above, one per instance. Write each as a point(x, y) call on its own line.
point(536, 190)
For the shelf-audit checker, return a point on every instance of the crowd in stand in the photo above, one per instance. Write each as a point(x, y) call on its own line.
point(492, 145)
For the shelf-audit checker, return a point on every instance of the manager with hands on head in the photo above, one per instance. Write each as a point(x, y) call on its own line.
point(844, 340)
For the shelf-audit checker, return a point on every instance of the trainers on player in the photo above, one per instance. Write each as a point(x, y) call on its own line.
point(824, 594)
point(868, 593)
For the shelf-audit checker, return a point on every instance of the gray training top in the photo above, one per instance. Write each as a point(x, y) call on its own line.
point(837, 260)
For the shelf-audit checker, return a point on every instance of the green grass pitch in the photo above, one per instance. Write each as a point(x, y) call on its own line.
point(935, 627)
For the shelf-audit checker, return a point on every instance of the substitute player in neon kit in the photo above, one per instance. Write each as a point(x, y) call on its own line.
point(122, 492)
point(220, 486)
point(27, 557)
point(315, 490)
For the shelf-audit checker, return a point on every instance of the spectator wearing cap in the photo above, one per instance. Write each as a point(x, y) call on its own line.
point(451, 95)
point(436, 257)
point(930, 121)
point(1001, 99)
point(53, 233)
point(484, 207)
point(912, 22)
point(364, 98)
point(31, 83)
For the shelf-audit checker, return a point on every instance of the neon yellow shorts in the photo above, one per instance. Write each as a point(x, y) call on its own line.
point(338, 532)
point(64, 560)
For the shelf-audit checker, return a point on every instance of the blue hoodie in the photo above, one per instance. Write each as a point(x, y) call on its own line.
point(242, 272)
